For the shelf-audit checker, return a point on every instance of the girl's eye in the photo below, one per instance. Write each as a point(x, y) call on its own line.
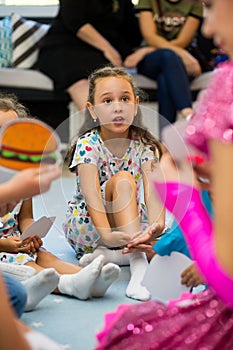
point(125, 99)
point(207, 4)
point(107, 100)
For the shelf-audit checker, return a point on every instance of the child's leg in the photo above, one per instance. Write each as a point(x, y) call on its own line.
point(39, 286)
point(107, 276)
point(77, 281)
point(110, 256)
point(121, 193)
point(80, 284)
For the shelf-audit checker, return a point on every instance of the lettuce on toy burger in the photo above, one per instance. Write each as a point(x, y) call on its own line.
point(27, 143)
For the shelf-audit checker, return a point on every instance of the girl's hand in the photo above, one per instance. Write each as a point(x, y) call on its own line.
point(143, 247)
point(190, 277)
point(115, 239)
point(37, 242)
point(113, 56)
point(14, 245)
point(34, 242)
point(141, 241)
point(192, 65)
point(132, 60)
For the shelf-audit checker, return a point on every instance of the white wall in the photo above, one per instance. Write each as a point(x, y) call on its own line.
point(29, 11)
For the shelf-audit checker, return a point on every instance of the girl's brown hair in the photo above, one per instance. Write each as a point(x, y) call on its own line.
point(137, 128)
point(9, 102)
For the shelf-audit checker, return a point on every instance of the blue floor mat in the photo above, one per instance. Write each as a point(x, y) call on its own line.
point(71, 322)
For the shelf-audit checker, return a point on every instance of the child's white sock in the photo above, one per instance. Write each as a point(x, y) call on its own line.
point(39, 286)
point(138, 265)
point(20, 272)
point(108, 275)
point(39, 341)
point(113, 256)
point(80, 284)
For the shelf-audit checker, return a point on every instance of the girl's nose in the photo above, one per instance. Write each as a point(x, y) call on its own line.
point(117, 106)
point(207, 27)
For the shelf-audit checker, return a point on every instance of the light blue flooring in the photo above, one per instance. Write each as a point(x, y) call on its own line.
point(71, 322)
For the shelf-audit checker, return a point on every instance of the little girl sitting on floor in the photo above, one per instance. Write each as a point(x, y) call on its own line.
point(113, 159)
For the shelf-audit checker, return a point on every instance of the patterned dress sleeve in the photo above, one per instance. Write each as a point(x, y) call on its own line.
point(86, 151)
point(213, 118)
point(148, 154)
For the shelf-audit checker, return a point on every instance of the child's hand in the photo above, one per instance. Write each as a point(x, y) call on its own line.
point(141, 241)
point(14, 245)
point(34, 242)
point(190, 277)
point(37, 242)
point(115, 239)
point(143, 247)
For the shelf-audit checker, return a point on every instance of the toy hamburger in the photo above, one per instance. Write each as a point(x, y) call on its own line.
point(27, 143)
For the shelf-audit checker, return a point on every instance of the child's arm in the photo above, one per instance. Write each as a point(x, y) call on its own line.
point(90, 186)
point(11, 334)
point(28, 183)
point(25, 215)
point(14, 245)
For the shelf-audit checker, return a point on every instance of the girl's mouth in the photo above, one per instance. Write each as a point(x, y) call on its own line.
point(118, 120)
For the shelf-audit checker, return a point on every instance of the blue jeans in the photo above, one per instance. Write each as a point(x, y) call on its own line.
point(166, 67)
point(17, 293)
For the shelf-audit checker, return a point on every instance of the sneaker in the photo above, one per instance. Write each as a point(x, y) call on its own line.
point(20, 272)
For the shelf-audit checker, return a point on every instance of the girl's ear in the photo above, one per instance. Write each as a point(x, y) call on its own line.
point(90, 108)
point(136, 105)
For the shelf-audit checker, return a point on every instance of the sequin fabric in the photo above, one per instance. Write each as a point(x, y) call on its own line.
point(213, 118)
point(196, 322)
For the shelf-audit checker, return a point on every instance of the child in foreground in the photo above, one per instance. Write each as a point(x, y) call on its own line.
point(13, 333)
point(58, 276)
point(113, 159)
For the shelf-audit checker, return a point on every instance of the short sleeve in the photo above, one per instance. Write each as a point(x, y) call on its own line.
point(144, 5)
point(213, 118)
point(148, 154)
point(86, 151)
point(197, 9)
point(73, 14)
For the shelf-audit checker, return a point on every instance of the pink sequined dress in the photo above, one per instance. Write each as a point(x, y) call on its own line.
point(195, 321)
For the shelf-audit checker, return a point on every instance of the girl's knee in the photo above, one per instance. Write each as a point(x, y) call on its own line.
point(168, 55)
point(124, 175)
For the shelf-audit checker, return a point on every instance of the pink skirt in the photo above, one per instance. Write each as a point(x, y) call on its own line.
point(194, 322)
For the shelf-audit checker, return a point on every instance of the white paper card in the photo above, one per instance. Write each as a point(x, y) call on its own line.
point(39, 228)
point(163, 276)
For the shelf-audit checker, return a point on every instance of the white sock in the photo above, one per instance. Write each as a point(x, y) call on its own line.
point(39, 341)
point(108, 275)
point(20, 272)
point(110, 256)
point(39, 286)
point(138, 266)
point(80, 284)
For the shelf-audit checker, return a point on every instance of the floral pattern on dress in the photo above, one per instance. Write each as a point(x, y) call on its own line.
point(90, 149)
point(10, 229)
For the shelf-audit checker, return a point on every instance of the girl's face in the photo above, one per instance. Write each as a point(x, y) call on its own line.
point(218, 23)
point(115, 106)
point(6, 117)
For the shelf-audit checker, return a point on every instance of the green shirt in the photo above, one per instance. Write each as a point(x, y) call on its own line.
point(174, 14)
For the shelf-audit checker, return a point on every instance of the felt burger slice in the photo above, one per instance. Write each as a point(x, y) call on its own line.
point(28, 143)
